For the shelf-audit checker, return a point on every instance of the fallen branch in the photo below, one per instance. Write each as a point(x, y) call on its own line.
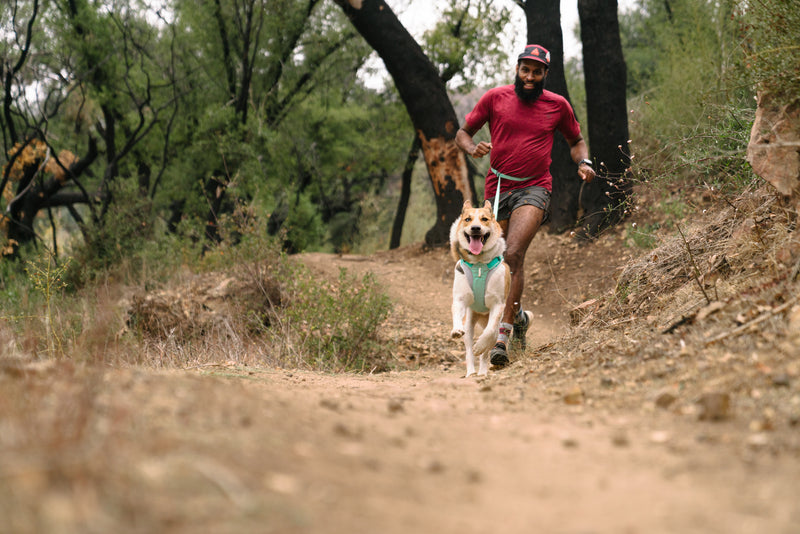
point(694, 264)
point(760, 319)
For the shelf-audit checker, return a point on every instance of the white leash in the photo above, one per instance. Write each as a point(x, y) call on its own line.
point(500, 176)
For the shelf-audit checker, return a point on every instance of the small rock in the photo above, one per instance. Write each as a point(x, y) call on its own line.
point(434, 466)
point(474, 477)
point(706, 438)
point(659, 436)
point(665, 399)
point(283, 483)
point(330, 404)
point(761, 425)
point(574, 396)
point(757, 441)
point(608, 382)
point(714, 406)
point(569, 442)
point(340, 429)
point(395, 406)
point(781, 380)
point(620, 439)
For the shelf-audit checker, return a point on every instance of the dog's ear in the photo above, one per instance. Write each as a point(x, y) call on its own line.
point(487, 205)
point(467, 205)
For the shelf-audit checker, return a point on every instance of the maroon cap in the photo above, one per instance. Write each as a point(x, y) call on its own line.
point(536, 53)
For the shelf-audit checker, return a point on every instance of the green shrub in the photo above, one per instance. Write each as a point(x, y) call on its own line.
point(772, 46)
point(336, 325)
point(642, 236)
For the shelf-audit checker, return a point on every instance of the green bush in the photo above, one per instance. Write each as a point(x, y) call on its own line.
point(772, 46)
point(336, 325)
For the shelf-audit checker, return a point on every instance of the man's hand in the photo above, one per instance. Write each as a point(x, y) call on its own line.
point(586, 173)
point(481, 149)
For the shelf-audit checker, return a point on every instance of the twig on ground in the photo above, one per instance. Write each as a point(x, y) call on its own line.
point(694, 264)
point(760, 319)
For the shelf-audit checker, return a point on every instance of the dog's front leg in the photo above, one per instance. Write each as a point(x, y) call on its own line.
point(488, 337)
point(496, 292)
point(483, 368)
point(468, 337)
point(462, 300)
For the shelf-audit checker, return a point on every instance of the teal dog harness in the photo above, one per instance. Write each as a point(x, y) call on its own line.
point(477, 275)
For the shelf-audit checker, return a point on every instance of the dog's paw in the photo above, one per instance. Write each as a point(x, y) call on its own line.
point(456, 333)
point(482, 345)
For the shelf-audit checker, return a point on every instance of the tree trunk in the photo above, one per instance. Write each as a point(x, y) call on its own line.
point(425, 97)
point(543, 20)
point(405, 194)
point(605, 199)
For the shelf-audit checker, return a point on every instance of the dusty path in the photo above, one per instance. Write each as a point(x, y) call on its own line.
point(232, 448)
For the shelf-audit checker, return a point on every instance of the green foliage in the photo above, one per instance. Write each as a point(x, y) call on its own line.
point(341, 156)
point(573, 72)
point(677, 61)
point(303, 229)
point(114, 239)
point(329, 326)
point(464, 44)
point(47, 277)
point(772, 46)
point(642, 236)
point(337, 324)
point(690, 113)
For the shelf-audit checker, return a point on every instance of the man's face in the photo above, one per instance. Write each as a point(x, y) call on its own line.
point(530, 77)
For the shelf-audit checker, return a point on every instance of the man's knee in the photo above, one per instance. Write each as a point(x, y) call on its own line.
point(514, 259)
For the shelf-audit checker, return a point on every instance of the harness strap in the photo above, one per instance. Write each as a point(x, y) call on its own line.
point(479, 275)
point(500, 176)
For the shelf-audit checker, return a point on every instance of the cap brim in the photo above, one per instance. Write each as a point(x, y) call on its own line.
point(533, 58)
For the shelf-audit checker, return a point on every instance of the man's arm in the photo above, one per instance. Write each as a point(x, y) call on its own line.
point(464, 140)
point(578, 151)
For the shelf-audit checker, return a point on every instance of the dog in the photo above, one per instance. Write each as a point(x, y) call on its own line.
point(481, 282)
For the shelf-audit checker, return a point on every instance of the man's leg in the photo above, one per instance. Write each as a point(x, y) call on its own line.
point(519, 231)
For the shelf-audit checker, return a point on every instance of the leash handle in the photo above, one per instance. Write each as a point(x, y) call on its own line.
point(507, 177)
point(496, 198)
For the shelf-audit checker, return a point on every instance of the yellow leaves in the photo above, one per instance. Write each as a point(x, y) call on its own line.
point(7, 249)
point(34, 154)
point(56, 167)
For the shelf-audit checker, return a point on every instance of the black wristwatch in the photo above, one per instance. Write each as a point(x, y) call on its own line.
point(586, 161)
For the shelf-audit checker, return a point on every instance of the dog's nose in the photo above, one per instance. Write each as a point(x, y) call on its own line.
point(475, 229)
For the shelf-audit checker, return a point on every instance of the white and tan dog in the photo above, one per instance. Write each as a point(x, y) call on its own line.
point(481, 283)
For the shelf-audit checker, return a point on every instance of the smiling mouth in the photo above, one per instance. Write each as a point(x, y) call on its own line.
point(476, 242)
point(482, 238)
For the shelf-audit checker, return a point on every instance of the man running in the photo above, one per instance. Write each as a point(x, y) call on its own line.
point(522, 119)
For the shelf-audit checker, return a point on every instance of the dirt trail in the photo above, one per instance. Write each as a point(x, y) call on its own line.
point(420, 449)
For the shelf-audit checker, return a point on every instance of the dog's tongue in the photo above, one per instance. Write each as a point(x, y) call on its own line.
point(475, 245)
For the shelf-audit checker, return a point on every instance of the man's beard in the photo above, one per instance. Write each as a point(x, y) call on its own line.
point(528, 95)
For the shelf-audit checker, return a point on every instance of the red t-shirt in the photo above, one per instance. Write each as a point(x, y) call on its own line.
point(522, 135)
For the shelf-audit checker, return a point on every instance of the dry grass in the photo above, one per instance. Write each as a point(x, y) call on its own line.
point(713, 311)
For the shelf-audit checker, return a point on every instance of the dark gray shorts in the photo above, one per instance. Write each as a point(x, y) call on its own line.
point(526, 196)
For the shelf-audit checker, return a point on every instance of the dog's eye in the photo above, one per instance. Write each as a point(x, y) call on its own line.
point(468, 219)
point(484, 219)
